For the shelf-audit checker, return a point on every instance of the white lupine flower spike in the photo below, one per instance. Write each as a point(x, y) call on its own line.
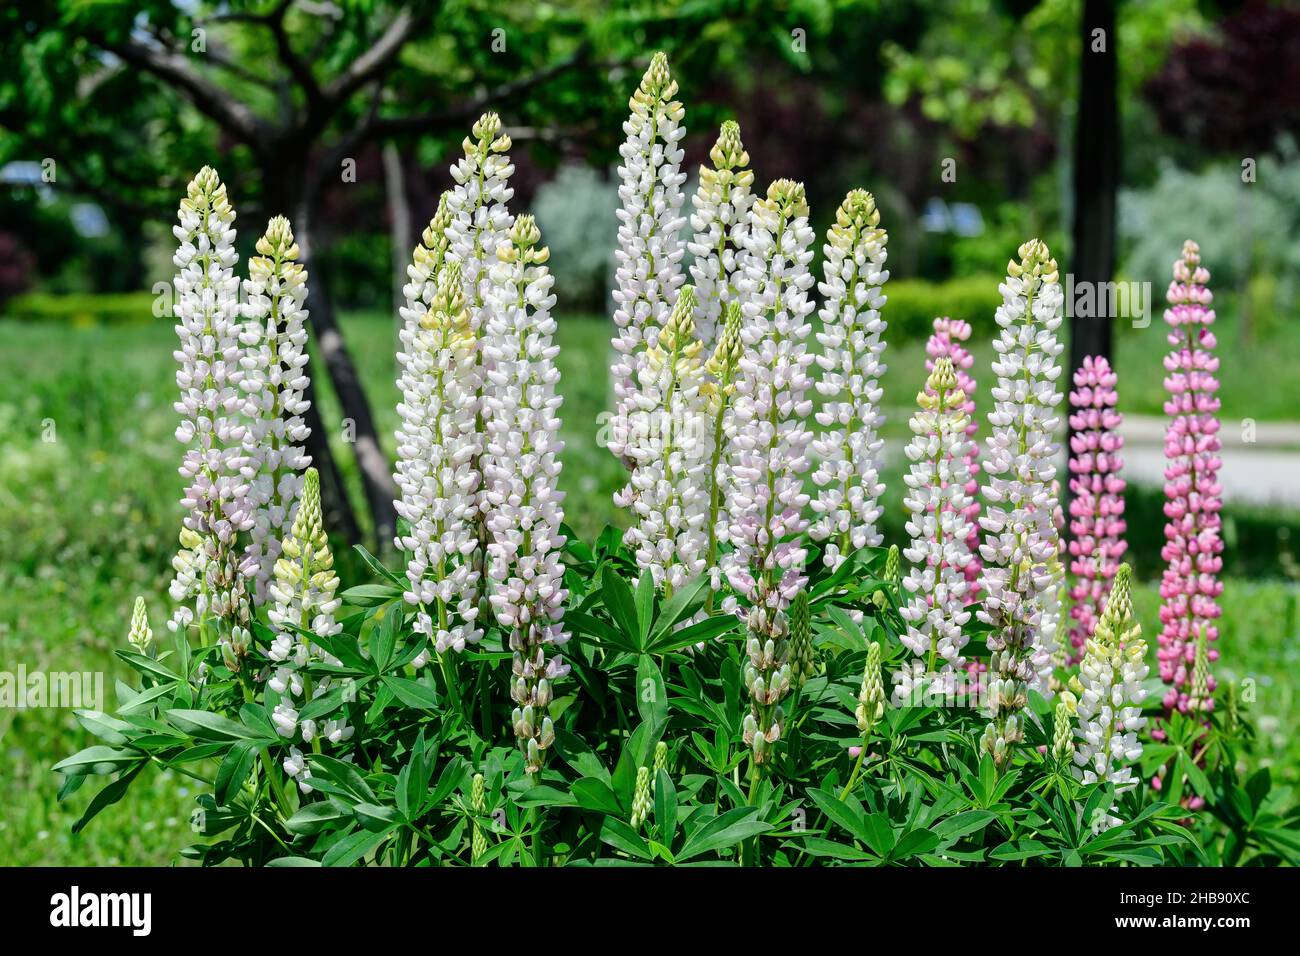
point(765, 498)
point(847, 477)
point(1021, 540)
point(480, 221)
point(303, 602)
point(670, 449)
point(721, 203)
point(209, 580)
point(936, 500)
point(650, 247)
point(1110, 693)
point(522, 467)
point(275, 378)
point(438, 444)
point(141, 635)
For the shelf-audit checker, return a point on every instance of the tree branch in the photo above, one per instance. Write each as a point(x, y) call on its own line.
point(176, 71)
point(374, 61)
point(461, 113)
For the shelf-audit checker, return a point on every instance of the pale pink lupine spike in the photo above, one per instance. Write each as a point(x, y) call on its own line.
point(1193, 496)
point(1097, 508)
point(946, 342)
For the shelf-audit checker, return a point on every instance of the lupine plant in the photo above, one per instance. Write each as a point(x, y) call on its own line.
point(709, 686)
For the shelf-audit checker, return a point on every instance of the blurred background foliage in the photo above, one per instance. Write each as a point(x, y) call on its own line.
point(345, 114)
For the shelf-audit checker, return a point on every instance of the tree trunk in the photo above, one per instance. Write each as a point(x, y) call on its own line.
point(1096, 175)
point(399, 218)
point(1096, 180)
point(376, 476)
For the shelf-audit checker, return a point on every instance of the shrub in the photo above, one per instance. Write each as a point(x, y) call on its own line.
point(83, 309)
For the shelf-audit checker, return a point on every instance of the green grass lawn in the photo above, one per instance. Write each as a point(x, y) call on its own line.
point(88, 518)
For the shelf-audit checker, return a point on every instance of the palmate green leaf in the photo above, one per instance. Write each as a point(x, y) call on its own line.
point(818, 846)
point(684, 602)
point(708, 629)
point(148, 666)
point(723, 831)
point(106, 727)
point(593, 626)
point(344, 775)
point(412, 693)
point(840, 812)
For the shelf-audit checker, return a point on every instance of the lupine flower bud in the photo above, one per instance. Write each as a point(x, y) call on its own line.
point(1193, 495)
point(661, 756)
point(140, 635)
point(802, 661)
point(641, 798)
point(1021, 537)
point(1200, 697)
point(721, 203)
point(478, 803)
point(1062, 733)
point(935, 612)
point(871, 696)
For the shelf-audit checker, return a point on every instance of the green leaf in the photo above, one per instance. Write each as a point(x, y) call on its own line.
point(593, 793)
point(108, 795)
point(679, 606)
point(354, 847)
point(620, 836)
point(879, 835)
point(209, 726)
point(665, 807)
point(383, 638)
point(377, 566)
point(234, 770)
point(651, 695)
point(370, 595)
point(289, 861)
point(708, 629)
point(376, 818)
point(316, 817)
point(840, 812)
point(412, 693)
point(105, 726)
point(723, 831)
point(99, 760)
point(148, 666)
point(645, 607)
point(618, 601)
point(914, 843)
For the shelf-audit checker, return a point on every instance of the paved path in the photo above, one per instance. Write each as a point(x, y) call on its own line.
point(1265, 471)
